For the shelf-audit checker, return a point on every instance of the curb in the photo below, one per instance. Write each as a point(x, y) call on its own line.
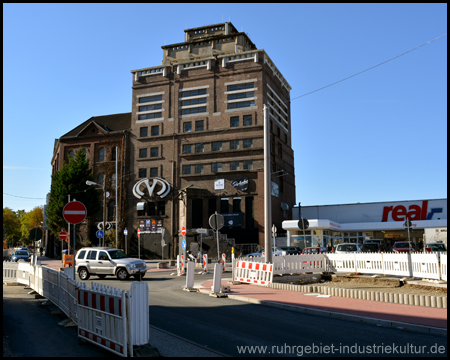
point(367, 320)
point(395, 298)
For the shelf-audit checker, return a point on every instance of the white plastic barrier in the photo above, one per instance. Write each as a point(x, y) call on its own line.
point(370, 263)
point(10, 271)
point(252, 272)
point(397, 264)
point(443, 262)
point(50, 283)
point(68, 293)
point(102, 318)
point(23, 273)
point(138, 314)
point(425, 265)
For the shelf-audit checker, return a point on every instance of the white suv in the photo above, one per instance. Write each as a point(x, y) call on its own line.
point(103, 261)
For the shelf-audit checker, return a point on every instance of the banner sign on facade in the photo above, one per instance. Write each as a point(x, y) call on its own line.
point(233, 219)
point(241, 183)
point(219, 184)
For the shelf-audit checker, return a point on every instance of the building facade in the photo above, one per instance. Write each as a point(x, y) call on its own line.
point(197, 141)
point(334, 224)
point(98, 137)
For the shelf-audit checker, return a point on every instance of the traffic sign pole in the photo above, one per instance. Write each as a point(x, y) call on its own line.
point(139, 243)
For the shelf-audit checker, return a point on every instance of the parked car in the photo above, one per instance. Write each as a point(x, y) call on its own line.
point(402, 246)
point(437, 246)
point(348, 248)
point(104, 261)
point(371, 247)
point(275, 251)
point(21, 254)
point(314, 250)
point(291, 250)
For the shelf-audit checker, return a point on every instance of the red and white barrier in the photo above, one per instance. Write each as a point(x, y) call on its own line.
point(182, 264)
point(223, 262)
point(102, 319)
point(205, 263)
point(253, 272)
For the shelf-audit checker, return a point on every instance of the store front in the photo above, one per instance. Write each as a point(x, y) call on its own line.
point(330, 225)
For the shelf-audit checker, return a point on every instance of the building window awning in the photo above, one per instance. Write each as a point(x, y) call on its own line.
point(140, 205)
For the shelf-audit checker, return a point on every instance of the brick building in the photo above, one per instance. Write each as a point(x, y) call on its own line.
point(197, 141)
point(98, 137)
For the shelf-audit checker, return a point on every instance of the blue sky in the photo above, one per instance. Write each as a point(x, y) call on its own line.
point(379, 136)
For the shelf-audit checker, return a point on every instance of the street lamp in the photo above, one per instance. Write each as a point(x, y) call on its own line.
point(88, 182)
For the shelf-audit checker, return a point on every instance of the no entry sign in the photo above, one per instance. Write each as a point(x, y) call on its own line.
point(63, 235)
point(74, 212)
point(183, 231)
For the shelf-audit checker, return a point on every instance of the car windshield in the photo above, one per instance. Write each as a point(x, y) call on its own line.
point(437, 247)
point(21, 252)
point(404, 245)
point(349, 247)
point(313, 251)
point(117, 254)
point(370, 246)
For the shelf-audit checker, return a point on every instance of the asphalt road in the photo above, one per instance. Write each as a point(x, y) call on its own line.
point(237, 328)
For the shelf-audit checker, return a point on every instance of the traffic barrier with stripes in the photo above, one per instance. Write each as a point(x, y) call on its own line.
point(205, 263)
point(252, 272)
point(102, 318)
point(223, 262)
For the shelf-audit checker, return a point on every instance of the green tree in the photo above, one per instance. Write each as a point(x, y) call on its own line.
point(71, 180)
point(11, 226)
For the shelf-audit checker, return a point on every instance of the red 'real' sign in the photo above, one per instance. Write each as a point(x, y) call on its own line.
point(414, 212)
point(183, 231)
point(74, 212)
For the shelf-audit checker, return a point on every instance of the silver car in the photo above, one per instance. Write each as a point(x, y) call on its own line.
point(21, 254)
point(104, 261)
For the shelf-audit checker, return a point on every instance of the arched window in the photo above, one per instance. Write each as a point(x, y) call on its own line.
point(111, 211)
point(101, 155)
point(71, 154)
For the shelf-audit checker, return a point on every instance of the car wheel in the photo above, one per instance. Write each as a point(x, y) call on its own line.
point(83, 273)
point(122, 274)
point(101, 276)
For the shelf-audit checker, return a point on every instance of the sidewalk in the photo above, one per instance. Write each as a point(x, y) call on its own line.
point(417, 318)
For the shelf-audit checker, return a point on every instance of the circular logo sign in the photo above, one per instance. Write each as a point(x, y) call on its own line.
point(74, 212)
point(241, 183)
point(183, 231)
point(63, 235)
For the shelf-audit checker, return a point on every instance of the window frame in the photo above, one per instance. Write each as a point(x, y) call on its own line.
point(141, 152)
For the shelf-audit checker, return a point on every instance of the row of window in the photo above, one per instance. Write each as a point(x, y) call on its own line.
point(101, 154)
point(217, 146)
point(217, 167)
point(154, 152)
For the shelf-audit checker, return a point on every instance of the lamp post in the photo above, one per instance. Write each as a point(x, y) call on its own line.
point(88, 182)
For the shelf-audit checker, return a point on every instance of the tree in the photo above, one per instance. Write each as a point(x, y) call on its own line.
point(71, 180)
point(11, 226)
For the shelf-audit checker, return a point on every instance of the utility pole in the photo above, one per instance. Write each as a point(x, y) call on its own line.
point(267, 191)
point(117, 199)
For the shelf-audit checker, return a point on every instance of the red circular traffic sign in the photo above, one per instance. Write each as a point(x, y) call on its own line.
point(74, 212)
point(63, 235)
point(139, 232)
point(183, 231)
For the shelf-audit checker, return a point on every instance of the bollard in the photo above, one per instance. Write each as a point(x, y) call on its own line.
point(178, 266)
point(182, 264)
point(205, 263)
point(433, 301)
point(439, 302)
point(377, 296)
point(406, 299)
point(223, 262)
point(386, 297)
point(217, 280)
point(444, 302)
point(427, 301)
point(190, 275)
point(395, 298)
point(421, 300)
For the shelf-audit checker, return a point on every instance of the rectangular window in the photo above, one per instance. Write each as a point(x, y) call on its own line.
point(234, 165)
point(142, 173)
point(154, 152)
point(241, 86)
point(199, 148)
point(236, 204)
point(154, 172)
point(241, 96)
point(217, 146)
point(187, 127)
point(187, 149)
point(197, 209)
point(155, 130)
point(193, 93)
point(199, 125)
point(142, 153)
point(224, 206)
point(151, 208)
point(280, 151)
point(199, 169)
point(249, 217)
point(212, 205)
point(241, 104)
point(234, 121)
point(148, 99)
point(186, 169)
point(161, 208)
point(247, 120)
point(193, 102)
point(143, 132)
point(248, 143)
point(194, 110)
point(234, 144)
point(150, 116)
point(216, 167)
point(150, 107)
point(248, 164)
